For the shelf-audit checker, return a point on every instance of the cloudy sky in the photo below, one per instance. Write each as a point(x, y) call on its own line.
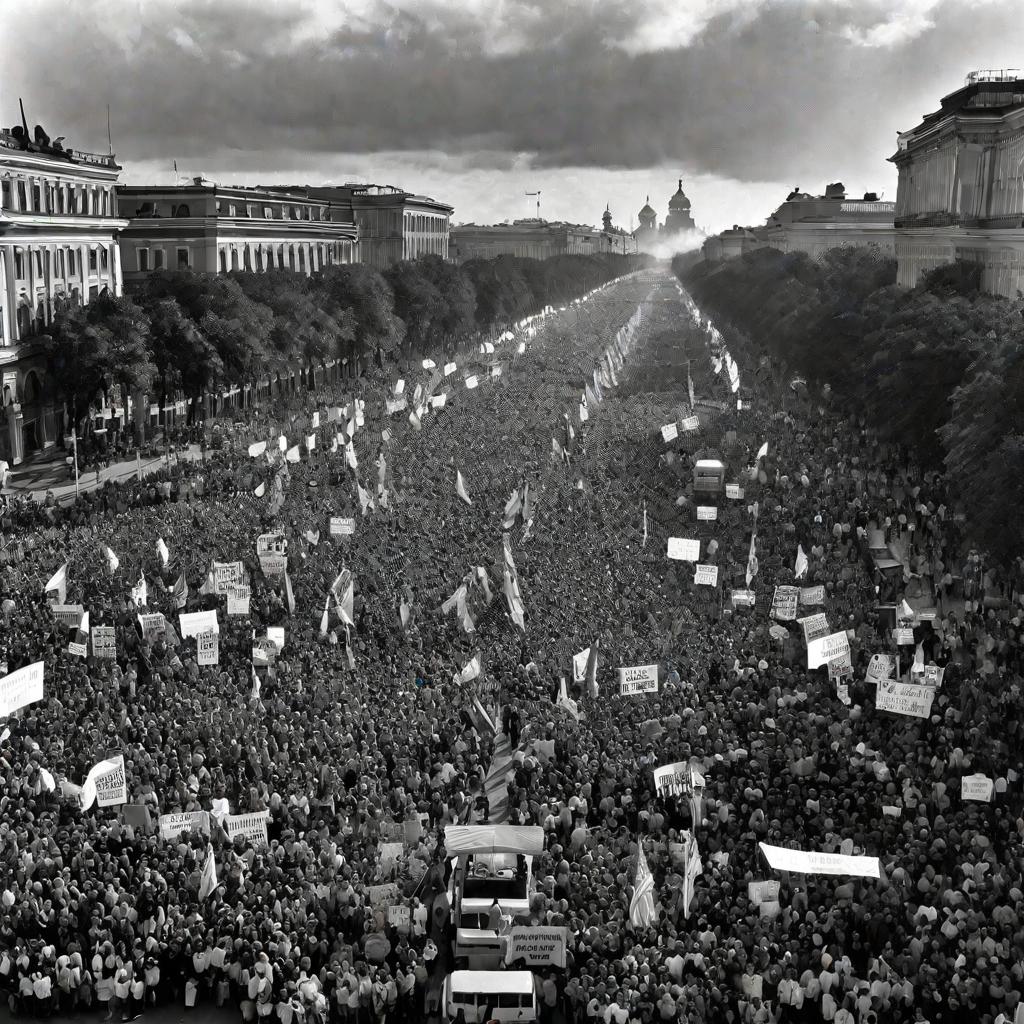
point(480, 101)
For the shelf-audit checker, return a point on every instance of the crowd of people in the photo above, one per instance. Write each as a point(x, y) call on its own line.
point(360, 733)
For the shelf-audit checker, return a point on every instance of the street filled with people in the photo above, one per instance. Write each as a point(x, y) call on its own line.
point(272, 677)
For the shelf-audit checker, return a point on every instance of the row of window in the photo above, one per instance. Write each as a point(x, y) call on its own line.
point(154, 259)
point(37, 195)
point(149, 258)
point(65, 262)
point(425, 222)
point(282, 212)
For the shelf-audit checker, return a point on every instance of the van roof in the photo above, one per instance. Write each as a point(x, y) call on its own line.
point(491, 981)
point(709, 464)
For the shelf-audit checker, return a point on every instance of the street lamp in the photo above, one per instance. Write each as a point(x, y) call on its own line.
point(74, 449)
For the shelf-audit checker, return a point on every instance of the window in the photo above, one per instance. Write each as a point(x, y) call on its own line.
point(158, 259)
point(223, 262)
point(268, 212)
point(60, 263)
point(39, 262)
point(71, 262)
point(143, 255)
point(218, 206)
point(5, 194)
point(37, 199)
point(92, 261)
point(183, 259)
point(232, 210)
point(62, 199)
point(22, 201)
point(105, 257)
point(248, 209)
point(19, 263)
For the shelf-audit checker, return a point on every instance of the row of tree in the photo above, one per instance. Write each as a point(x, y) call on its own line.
point(181, 332)
point(939, 367)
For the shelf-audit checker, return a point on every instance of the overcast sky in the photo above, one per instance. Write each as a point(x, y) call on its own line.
point(478, 101)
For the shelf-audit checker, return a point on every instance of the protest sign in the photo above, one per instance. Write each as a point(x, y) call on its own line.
point(194, 623)
point(579, 666)
point(398, 917)
point(977, 787)
point(238, 599)
point(690, 424)
point(707, 513)
point(881, 666)
point(389, 857)
point(69, 615)
point(276, 635)
point(759, 892)
point(734, 491)
point(171, 826)
point(638, 679)
point(814, 626)
point(839, 668)
point(683, 549)
point(826, 648)
point(669, 432)
point(673, 779)
point(111, 784)
point(810, 596)
point(271, 544)
point(225, 575)
point(274, 565)
point(342, 527)
point(78, 650)
point(784, 602)
point(808, 862)
point(104, 642)
point(770, 908)
point(251, 827)
point(382, 895)
point(706, 575)
point(909, 699)
point(21, 688)
point(933, 675)
point(208, 649)
point(904, 636)
point(537, 946)
point(449, 369)
point(153, 626)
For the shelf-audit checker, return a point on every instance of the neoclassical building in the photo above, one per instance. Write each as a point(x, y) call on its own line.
point(59, 228)
point(217, 229)
point(961, 184)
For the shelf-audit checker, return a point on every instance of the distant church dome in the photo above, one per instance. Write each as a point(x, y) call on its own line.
point(679, 200)
point(648, 212)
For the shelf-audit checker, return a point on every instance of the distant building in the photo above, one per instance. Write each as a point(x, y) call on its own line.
point(614, 239)
point(393, 224)
point(532, 237)
point(678, 221)
point(58, 247)
point(219, 228)
point(734, 241)
point(961, 184)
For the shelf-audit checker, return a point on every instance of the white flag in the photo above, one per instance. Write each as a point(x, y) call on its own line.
point(460, 488)
point(292, 455)
point(208, 878)
point(644, 544)
point(470, 670)
point(59, 582)
point(113, 562)
point(800, 570)
point(762, 451)
point(161, 550)
point(261, 490)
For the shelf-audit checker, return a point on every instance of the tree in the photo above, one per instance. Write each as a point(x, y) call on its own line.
point(956, 278)
point(418, 303)
point(182, 355)
point(457, 318)
point(363, 291)
point(76, 355)
point(128, 361)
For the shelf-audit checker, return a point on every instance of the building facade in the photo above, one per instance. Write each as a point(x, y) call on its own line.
point(961, 184)
point(393, 224)
point(217, 229)
point(532, 238)
point(678, 223)
point(59, 228)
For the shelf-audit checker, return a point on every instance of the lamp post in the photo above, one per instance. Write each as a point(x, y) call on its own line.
point(74, 449)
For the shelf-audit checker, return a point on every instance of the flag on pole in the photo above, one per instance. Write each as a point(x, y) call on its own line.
point(350, 455)
point(460, 488)
point(762, 451)
point(326, 616)
point(208, 587)
point(288, 595)
point(752, 559)
point(918, 666)
point(591, 670)
point(404, 612)
point(343, 590)
point(689, 387)
point(800, 570)
point(365, 501)
point(905, 611)
point(292, 455)
point(180, 592)
point(161, 550)
point(690, 872)
point(349, 654)
point(113, 562)
point(140, 594)
point(256, 685)
point(208, 878)
point(644, 544)
point(471, 669)
point(641, 906)
point(59, 582)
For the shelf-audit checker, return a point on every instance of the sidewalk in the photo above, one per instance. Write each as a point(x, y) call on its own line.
point(38, 478)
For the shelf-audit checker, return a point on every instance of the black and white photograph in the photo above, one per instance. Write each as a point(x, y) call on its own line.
point(512, 511)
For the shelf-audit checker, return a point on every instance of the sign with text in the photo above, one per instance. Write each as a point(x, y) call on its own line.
point(638, 679)
point(807, 862)
point(784, 602)
point(194, 623)
point(690, 424)
point(814, 626)
point(684, 549)
point(743, 599)
point(734, 491)
point(251, 827)
point(760, 892)
point(706, 575)
point(271, 544)
point(274, 565)
point(669, 432)
point(881, 666)
point(341, 526)
point(153, 626)
point(538, 947)
point(811, 596)
point(69, 615)
point(78, 650)
point(21, 688)
point(226, 574)
point(977, 787)
point(208, 649)
point(707, 513)
point(904, 636)
point(173, 825)
point(239, 596)
point(111, 785)
point(826, 648)
point(673, 779)
point(904, 698)
point(104, 642)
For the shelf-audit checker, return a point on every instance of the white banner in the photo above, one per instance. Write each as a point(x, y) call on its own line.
point(904, 698)
point(252, 827)
point(743, 598)
point(707, 513)
point(881, 666)
point(153, 626)
point(110, 782)
point(690, 423)
point(538, 947)
point(638, 679)
point(104, 642)
point(815, 627)
point(471, 382)
point(21, 688)
point(734, 491)
point(342, 527)
point(673, 779)
point(449, 368)
point(811, 863)
point(171, 826)
point(826, 648)
point(762, 892)
point(706, 575)
point(238, 599)
point(579, 666)
point(904, 636)
point(225, 574)
point(274, 565)
point(669, 432)
point(194, 623)
point(977, 787)
point(811, 596)
point(207, 649)
point(684, 549)
point(784, 602)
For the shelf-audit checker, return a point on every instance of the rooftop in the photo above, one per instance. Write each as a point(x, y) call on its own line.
point(16, 139)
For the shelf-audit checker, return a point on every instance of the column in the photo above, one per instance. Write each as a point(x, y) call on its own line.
point(116, 280)
point(15, 421)
point(30, 253)
point(10, 310)
point(83, 272)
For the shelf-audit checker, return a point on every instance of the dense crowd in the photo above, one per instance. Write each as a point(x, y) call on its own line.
point(352, 734)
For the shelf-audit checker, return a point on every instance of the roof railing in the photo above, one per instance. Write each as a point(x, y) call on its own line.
point(994, 75)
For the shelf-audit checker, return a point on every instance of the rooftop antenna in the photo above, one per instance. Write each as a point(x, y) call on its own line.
point(110, 148)
point(24, 121)
point(537, 194)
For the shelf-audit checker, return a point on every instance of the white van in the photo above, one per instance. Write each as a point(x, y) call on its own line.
point(511, 996)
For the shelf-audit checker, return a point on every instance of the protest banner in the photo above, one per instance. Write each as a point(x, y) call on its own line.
point(274, 565)
point(977, 787)
point(171, 826)
point(840, 668)
point(638, 679)
point(807, 862)
point(904, 636)
point(69, 615)
point(706, 575)
point(389, 858)
point(690, 424)
point(909, 699)
point(78, 650)
point(153, 626)
point(398, 917)
point(933, 675)
point(251, 827)
point(579, 666)
point(743, 598)
point(881, 666)
point(111, 784)
point(238, 599)
point(759, 892)
point(537, 946)
point(194, 623)
point(275, 634)
point(225, 575)
point(784, 602)
point(382, 895)
point(825, 648)
point(208, 649)
point(707, 513)
point(21, 688)
point(814, 626)
point(341, 526)
point(810, 596)
point(271, 544)
point(673, 779)
point(735, 492)
point(684, 549)
point(104, 642)
point(669, 432)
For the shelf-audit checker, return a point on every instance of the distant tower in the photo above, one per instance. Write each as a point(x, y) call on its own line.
point(606, 219)
point(679, 218)
point(647, 234)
